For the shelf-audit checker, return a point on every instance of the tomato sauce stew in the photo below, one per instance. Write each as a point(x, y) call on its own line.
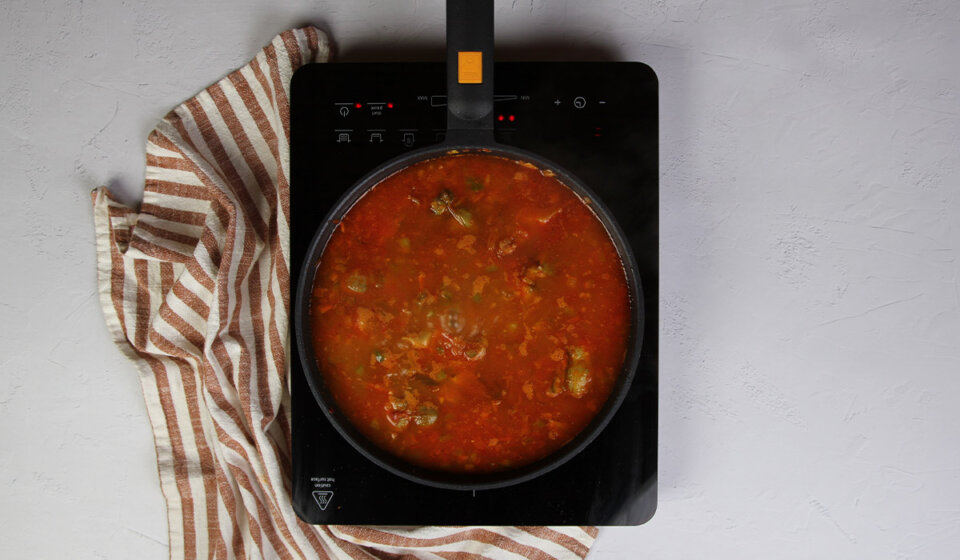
point(470, 314)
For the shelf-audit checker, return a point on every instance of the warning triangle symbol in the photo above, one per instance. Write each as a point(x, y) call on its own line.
point(323, 498)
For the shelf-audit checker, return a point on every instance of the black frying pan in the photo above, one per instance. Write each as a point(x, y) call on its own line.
point(469, 130)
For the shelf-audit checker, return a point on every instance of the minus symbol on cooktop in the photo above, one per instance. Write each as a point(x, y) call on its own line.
point(601, 102)
point(345, 103)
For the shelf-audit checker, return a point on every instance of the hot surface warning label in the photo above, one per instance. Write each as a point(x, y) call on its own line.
point(323, 498)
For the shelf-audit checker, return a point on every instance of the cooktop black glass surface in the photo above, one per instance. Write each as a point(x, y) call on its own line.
point(599, 121)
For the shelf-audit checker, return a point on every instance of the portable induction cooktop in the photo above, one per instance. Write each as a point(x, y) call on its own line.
point(599, 121)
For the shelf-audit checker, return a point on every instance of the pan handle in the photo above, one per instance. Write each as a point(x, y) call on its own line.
point(470, 71)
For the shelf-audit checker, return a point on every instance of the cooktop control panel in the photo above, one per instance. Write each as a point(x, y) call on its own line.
point(414, 121)
point(405, 110)
point(597, 120)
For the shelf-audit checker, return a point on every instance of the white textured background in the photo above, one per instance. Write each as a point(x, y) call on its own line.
point(810, 222)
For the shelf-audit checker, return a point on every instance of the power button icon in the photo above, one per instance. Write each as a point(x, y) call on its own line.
point(579, 103)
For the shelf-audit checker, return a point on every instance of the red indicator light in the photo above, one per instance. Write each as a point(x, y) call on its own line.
point(512, 118)
point(358, 105)
point(389, 105)
point(499, 117)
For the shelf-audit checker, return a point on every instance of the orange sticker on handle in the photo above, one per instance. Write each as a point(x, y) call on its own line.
point(470, 67)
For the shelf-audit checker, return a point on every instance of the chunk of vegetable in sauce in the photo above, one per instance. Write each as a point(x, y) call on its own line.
point(577, 378)
point(474, 184)
point(442, 202)
point(478, 330)
point(419, 340)
point(357, 283)
point(463, 216)
point(426, 416)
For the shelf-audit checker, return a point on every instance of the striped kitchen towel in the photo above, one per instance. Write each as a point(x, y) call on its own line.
point(195, 287)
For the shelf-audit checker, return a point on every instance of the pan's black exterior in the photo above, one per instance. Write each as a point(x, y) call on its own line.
point(470, 130)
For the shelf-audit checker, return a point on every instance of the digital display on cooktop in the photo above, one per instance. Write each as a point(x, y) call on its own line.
point(599, 121)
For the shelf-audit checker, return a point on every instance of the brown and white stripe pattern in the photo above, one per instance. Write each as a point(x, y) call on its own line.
point(196, 287)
